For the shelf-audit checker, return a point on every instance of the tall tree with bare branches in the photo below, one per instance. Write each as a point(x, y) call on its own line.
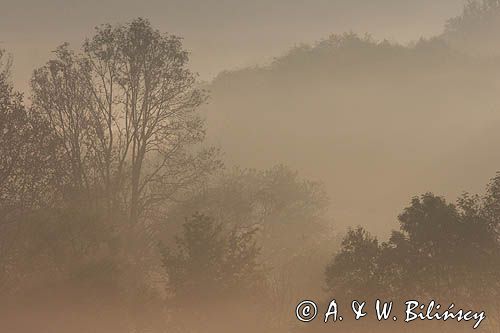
point(125, 109)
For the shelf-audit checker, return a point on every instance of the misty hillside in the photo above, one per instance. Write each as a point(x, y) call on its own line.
point(475, 32)
point(377, 121)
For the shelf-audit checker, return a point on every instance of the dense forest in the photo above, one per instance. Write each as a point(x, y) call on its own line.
point(134, 198)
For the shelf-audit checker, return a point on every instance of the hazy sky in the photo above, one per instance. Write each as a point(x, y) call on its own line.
point(221, 34)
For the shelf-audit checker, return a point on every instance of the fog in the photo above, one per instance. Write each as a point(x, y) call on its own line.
point(233, 35)
point(378, 122)
point(204, 166)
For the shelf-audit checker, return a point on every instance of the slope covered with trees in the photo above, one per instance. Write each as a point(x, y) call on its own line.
point(375, 120)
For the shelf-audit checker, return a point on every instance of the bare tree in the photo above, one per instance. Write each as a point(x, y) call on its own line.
point(125, 109)
point(62, 97)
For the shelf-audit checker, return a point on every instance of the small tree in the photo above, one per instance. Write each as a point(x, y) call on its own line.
point(210, 261)
point(354, 270)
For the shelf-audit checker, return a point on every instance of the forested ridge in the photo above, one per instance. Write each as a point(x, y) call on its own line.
point(377, 121)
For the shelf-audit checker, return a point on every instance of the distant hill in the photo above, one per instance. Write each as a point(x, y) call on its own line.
point(378, 122)
point(476, 30)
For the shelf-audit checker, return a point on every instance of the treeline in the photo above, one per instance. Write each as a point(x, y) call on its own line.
point(442, 251)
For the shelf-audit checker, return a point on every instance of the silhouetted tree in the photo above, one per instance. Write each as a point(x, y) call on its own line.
point(354, 270)
point(441, 251)
point(210, 262)
point(63, 99)
point(214, 270)
point(125, 112)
